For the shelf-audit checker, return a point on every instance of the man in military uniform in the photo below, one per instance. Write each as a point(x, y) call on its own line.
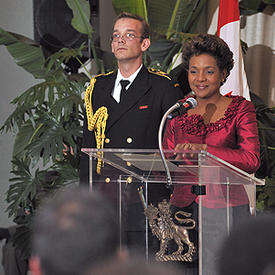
point(133, 121)
point(136, 98)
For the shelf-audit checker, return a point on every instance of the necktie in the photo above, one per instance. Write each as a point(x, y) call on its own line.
point(123, 84)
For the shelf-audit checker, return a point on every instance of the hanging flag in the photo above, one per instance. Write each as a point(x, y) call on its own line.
point(229, 31)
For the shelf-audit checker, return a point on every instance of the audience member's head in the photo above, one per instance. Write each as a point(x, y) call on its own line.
point(73, 229)
point(134, 265)
point(250, 248)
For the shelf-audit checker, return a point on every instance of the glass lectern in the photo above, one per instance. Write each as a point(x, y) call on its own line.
point(136, 181)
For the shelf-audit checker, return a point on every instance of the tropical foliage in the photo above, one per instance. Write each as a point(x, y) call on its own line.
point(170, 25)
point(48, 116)
point(266, 122)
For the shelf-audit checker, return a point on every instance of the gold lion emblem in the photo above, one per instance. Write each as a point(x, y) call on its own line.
point(163, 227)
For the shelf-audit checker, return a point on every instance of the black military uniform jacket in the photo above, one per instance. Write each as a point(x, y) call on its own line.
point(134, 123)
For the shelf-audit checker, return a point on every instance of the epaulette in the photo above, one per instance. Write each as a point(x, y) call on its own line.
point(154, 71)
point(103, 74)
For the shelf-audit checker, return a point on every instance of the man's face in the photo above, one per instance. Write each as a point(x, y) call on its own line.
point(126, 49)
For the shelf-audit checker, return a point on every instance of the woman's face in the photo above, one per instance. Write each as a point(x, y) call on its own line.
point(205, 76)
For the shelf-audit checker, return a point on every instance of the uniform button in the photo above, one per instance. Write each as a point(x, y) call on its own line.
point(107, 140)
point(129, 140)
point(128, 163)
point(107, 180)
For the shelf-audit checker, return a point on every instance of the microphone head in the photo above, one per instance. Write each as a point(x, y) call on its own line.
point(182, 107)
point(192, 101)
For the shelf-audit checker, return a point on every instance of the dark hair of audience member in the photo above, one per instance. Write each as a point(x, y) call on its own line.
point(72, 230)
point(250, 248)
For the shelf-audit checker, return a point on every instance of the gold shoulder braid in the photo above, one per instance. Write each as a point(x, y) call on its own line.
point(154, 71)
point(96, 122)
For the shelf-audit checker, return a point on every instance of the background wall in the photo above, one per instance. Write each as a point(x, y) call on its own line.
point(106, 19)
point(16, 16)
point(258, 33)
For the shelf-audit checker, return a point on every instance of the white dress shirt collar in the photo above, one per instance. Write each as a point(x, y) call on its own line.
point(117, 87)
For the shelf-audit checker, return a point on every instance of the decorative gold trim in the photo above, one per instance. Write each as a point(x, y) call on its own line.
point(162, 226)
point(97, 121)
point(160, 73)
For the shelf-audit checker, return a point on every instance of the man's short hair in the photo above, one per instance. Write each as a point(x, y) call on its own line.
point(145, 30)
point(250, 248)
point(72, 230)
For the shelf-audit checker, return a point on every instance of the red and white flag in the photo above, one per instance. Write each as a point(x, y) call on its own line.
point(229, 31)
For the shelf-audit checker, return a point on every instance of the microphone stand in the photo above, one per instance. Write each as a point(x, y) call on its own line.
point(162, 123)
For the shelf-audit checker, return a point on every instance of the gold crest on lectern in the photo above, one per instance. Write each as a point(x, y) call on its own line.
point(163, 227)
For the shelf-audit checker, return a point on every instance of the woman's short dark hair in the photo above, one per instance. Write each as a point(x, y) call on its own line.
point(145, 30)
point(212, 45)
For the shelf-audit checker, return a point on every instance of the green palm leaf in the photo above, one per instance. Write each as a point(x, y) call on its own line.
point(68, 173)
point(55, 61)
point(15, 120)
point(26, 53)
point(161, 53)
point(27, 189)
point(248, 7)
point(81, 16)
point(49, 138)
point(48, 91)
point(71, 105)
point(133, 6)
point(81, 22)
point(22, 139)
point(178, 16)
point(23, 187)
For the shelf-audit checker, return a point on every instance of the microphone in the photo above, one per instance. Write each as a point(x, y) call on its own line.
point(176, 110)
point(183, 107)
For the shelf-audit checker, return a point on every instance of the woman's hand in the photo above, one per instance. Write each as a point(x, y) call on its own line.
point(189, 147)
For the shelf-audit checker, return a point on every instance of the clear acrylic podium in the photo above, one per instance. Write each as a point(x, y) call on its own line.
point(136, 181)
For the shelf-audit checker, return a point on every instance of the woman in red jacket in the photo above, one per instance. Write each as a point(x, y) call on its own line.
point(224, 126)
